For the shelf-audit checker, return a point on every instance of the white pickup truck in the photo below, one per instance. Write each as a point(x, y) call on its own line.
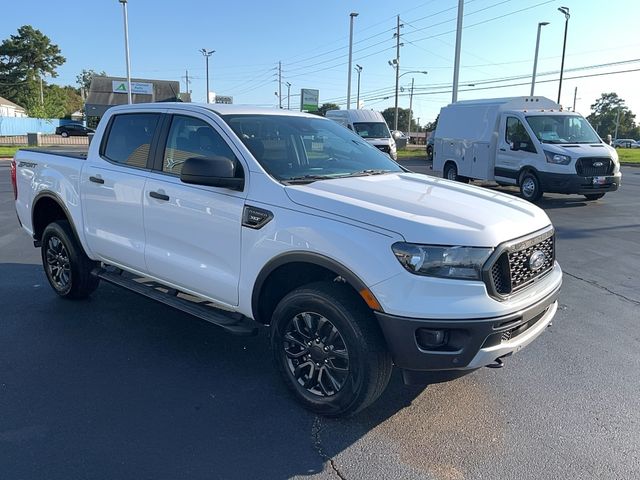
point(247, 217)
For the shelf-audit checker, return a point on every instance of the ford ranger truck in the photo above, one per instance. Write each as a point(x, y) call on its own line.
point(246, 217)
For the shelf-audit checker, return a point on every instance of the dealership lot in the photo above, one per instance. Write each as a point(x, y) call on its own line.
point(121, 387)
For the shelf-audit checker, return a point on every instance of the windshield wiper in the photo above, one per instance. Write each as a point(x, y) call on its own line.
point(363, 173)
point(305, 179)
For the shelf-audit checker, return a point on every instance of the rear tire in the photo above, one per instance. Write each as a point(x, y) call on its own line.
point(64, 134)
point(329, 349)
point(594, 196)
point(429, 152)
point(67, 267)
point(450, 172)
point(530, 187)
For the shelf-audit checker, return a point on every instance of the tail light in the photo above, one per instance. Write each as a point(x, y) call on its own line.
point(14, 181)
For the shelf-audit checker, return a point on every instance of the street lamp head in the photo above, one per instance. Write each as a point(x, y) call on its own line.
point(358, 68)
point(542, 24)
point(565, 12)
point(122, 1)
point(353, 14)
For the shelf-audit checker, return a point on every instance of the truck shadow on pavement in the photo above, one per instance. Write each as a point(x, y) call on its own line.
point(118, 386)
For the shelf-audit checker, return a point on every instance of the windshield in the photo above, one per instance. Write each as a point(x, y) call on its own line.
point(562, 129)
point(372, 129)
point(302, 149)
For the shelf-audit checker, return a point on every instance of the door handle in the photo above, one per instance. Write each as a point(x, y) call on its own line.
point(96, 180)
point(159, 196)
point(503, 149)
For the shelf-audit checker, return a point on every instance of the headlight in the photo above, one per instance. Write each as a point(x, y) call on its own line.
point(557, 158)
point(444, 262)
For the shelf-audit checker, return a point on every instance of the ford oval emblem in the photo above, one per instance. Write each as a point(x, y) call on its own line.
point(537, 260)
point(598, 164)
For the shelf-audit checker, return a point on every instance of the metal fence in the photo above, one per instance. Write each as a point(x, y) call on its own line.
point(43, 140)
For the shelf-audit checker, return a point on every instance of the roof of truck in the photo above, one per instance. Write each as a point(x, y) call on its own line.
point(219, 108)
point(510, 103)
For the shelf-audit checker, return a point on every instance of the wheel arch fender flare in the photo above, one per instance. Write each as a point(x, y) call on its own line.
point(302, 257)
point(57, 200)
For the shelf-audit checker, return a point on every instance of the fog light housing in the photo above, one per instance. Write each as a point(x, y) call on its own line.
point(428, 338)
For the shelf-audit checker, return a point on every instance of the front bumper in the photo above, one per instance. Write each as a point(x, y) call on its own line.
point(470, 344)
point(574, 183)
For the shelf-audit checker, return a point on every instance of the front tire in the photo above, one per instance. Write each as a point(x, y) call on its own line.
point(530, 187)
point(594, 196)
point(329, 349)
point(64, 134)
point(67, 267)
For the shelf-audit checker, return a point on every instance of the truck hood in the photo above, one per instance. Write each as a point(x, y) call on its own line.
point(424, 209)
point(577, 150)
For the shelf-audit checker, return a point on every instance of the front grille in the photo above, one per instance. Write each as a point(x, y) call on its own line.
point(596, 166)
point(512, 270)
point(384, 148)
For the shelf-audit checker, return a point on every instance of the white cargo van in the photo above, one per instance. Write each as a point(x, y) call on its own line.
point(526, 141)
point(370, 125)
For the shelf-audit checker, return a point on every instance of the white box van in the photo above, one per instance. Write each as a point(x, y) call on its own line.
point(526, 141)
point(370, 125)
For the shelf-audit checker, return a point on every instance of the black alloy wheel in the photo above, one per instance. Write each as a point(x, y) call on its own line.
point(316, 354)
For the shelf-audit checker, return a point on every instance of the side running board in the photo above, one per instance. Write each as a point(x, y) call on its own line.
point(233, 322)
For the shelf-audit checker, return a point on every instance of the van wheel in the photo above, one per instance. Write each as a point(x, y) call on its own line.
point(530, 187)
point(594, 196)
point(429, 152)
point(451, 173)
point(67, 267)
point(329, 349)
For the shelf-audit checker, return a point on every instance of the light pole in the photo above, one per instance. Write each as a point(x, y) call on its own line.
point(456, 61)
point(207, 54)
point(565, 12)
point(424, 72)
point(352, 15)
point(126, 48)
point(288, 95)
point(359, 70)
point(535, 57)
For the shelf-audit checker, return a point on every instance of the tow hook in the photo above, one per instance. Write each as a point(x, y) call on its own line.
point(498, 362)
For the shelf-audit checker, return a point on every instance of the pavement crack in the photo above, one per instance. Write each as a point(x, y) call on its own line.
point(316, 428)
point(608, 290)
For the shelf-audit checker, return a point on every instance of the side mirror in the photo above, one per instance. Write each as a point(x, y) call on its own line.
point(396, 134)
point(211, 172)
point(514, 145)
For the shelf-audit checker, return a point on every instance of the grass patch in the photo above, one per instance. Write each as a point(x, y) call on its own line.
point(8, 151)
point(412, 153)
point(629, 155)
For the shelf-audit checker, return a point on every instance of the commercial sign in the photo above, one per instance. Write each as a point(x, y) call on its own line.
point(309, 99)
point(224, 99)
point(139, 88)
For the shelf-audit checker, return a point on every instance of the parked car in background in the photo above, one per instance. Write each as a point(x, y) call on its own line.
point(430, 147)
point(636, 145)
point(624, 142)
point(73, 130)
point(370, 125)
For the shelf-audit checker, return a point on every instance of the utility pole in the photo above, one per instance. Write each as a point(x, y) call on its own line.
point(456, 63)
point(352, 15)
point(279, 84)
point(126, 48)
point(615, 136)
point(186, 80)
point(410, 107)
point(359, 70)
point(41, 91)
point(575, 94)
point(397, 63)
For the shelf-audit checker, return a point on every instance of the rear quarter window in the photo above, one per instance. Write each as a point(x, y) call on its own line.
point(129, 138)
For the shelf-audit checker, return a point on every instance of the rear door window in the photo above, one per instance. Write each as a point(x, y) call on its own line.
point(129, 138)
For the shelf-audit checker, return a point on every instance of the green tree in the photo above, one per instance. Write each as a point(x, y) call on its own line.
point(24, 59)
point(604, 113)
point(83, 79)
point(431, 126)
point(325, 107)
point(389, 115)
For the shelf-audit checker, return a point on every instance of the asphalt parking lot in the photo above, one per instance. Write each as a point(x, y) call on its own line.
point(120, 387)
